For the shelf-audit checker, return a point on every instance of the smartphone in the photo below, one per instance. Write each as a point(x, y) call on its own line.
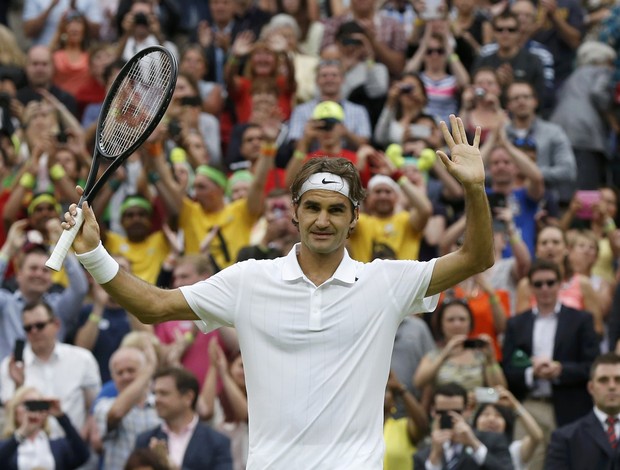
point(61, 137)
point(474, 343)
point(445, 420)
point(496, 200)
point(18, 350)
point(486, 395)
point(588, 200)
point(419, 131)
point(37, 405)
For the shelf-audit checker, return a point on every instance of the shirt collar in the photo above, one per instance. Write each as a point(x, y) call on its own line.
point(292, 271)
point(187, 429)
point(602, 416)
point(556, 309)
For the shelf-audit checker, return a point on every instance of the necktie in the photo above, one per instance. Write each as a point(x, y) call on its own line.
point(611, 431)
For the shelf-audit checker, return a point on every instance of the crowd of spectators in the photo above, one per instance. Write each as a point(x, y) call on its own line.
point(518, 367)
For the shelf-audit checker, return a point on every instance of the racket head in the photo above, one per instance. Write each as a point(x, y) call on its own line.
point(136, 102)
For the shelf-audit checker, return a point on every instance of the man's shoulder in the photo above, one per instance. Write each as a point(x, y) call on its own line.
point(577, 427)
point(204, 430)
point(74, 353)
point(143, 439)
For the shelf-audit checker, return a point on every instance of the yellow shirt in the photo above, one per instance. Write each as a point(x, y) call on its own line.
point(234, 220)
point(145, 257)
point(394, 232)
point(398, 447)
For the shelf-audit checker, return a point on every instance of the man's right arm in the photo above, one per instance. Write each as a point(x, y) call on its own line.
point(129, 291)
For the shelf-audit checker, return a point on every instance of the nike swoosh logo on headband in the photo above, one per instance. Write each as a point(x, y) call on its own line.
point(327, 181)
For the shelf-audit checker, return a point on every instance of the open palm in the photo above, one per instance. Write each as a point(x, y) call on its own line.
point(465, 163)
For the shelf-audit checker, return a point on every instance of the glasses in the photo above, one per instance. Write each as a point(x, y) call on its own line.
point(505, 29)
point(437, 50)
point(520, 97)
point(37, 326)
point(548, 283)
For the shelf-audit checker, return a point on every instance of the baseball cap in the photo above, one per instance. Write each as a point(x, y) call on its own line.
point(328, 111)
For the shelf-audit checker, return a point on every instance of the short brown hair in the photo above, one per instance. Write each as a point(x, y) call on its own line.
point(610, 358)
point(338, 166)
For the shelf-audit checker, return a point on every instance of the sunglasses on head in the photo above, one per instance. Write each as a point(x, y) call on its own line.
point(37, 326)
point(436, 50)
point(548, 283)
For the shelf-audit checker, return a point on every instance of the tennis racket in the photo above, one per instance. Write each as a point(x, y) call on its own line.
point(132, 108)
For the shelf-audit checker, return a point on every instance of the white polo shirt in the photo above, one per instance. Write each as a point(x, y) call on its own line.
point(316, 359)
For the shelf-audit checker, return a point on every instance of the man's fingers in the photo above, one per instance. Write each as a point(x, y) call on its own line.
point(456, 134)
point(446, 134)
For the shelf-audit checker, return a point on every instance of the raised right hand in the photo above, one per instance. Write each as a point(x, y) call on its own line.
point(88, 237)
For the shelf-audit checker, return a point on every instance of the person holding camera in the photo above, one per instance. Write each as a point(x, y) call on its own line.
point(405, 102)
point(26, 442)
point(497, 411)
point(455, 445)
point(468, 361)
point(141, 29)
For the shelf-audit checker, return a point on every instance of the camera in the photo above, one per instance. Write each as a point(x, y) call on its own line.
point(445, 420)
point(5, 100)
point(37, 405)
point(174, 128)
point(141, 18)
point(191, 101)
point(474, 343)
point(406, 88)
point(479, 92)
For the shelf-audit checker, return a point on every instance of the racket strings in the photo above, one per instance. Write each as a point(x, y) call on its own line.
point(136, 104)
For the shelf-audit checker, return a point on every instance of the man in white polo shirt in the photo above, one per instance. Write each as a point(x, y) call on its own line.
point(315, 327)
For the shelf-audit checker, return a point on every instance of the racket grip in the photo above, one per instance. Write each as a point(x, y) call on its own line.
point(64, 243)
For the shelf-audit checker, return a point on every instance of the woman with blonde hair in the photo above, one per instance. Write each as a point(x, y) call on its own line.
point(12, 57)
point(26, 443)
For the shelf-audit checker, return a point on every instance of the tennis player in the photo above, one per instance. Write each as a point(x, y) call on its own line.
point(315, 328)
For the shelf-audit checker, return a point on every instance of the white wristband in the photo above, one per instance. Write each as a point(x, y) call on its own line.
point(99, 264)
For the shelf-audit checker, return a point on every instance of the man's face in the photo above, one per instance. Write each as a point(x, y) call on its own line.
point(329, 80)
point(521, 101)
point(137, 224)
point(545, 285)
point(33, 277)
point(604, 387)
point(169, 402)
point(526, 12)
point(39, 68)
point(382, 200)
point(208, 194)
point(40, 329)
point(329, 134)
point(185, 274)
point(125, 368)
point(40, 215)
point(251, 142)
point(506, 32)
point(445, 403)
point(325, 218)
point(501, 167)
point(222, 11)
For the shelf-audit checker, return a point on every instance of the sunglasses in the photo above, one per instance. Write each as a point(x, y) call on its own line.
point(548, 283)
point(37, 326)
point(524, 142)
point(438, 51)
point(502, 29)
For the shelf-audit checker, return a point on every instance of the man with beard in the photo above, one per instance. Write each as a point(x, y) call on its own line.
point(146, 250)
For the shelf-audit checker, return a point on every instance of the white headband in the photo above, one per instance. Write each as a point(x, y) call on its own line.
point(382, 179)
point(327, 182)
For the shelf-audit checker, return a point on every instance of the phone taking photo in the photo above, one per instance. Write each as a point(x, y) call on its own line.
point(37, 405)
point(18, 350)
point(445, 420)
point(486, 395)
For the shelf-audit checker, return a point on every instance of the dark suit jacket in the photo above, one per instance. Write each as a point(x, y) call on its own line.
point(575, 347)
point(207, 449)
point(69, 452)
point(582, 445)
point(498, 455)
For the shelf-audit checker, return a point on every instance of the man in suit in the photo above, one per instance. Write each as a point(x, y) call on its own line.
point(547, 354)
point(191, 445)
point(454, 444)
point(592, 441)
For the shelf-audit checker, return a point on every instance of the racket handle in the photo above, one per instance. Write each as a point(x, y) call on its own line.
point(64, 243)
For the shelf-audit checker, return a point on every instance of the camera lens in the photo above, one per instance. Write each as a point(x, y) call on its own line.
point(141, 18)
